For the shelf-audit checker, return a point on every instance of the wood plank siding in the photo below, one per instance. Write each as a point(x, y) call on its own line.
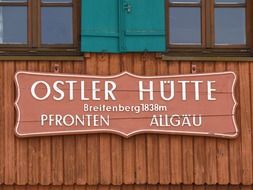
point(129, 187)
point(135, 163)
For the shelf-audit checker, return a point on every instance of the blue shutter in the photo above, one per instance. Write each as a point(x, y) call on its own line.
point(123, 25)
point(144, 25)
point(99, 26)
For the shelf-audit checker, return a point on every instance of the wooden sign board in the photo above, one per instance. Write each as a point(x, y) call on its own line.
point(125, 104)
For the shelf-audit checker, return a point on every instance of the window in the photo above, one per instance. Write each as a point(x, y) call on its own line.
point(230, 22)
point(185, 23)
point(41, 26)
point(208, 26)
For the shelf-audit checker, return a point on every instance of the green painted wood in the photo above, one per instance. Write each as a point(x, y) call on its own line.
point(144, 25)
point(100, 26)
point(123, 26)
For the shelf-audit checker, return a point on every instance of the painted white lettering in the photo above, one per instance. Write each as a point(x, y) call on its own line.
point(71, 89)
point(186, 121)
point(149, 90)
point(83, 91)
point(43, 118)
point(197, 121)
point(58, 90)
point(33, 89)
point(154, 121)
point(196, 84)
point(58, 120)
point(95, 90)
point(172, 89)
point(210, 90)
point(109, 91)
point(184, 88)
point(175, 120)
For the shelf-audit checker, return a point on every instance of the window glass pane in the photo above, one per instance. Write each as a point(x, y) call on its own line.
point(185, 1)
point(230, 26)
point(229, 1)
point(57, 25)
point(13, 25)
point(56, 1)
point(185, 25)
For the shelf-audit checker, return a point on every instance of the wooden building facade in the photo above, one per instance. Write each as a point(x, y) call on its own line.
point(111, 162)
point(104, 159)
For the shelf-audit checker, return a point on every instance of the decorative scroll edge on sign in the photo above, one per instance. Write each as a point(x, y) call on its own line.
point(176, 132)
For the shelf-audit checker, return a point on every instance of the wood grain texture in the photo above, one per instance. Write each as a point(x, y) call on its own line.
point(199, 147)
point(104, 139)
point(235, 164)
point(45, 144)
point(92, 140)
point(152, 140)
point(246, 132)
point(116, 141)
point(129, 161)
point(81, 160)
point(57, 160)
point(164, 140)
point(33, 145)
point(140, 140)
point(57, 146)
point(211, 144)
point(129, 169)
point(187, 141)
point(9, 140)
point(222, 145)
point(2, 124)
point(69, 144)
point(81, 141)
point(175, 142)
point(251, 96)
point(104, 159)
point(130, 187)
point(22, 147)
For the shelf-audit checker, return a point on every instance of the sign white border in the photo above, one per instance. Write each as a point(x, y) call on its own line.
point(118, 132)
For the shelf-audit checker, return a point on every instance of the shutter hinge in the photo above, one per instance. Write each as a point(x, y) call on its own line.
point(127, 7)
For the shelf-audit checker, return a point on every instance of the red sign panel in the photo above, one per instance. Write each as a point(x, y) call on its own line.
point(125, 104)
